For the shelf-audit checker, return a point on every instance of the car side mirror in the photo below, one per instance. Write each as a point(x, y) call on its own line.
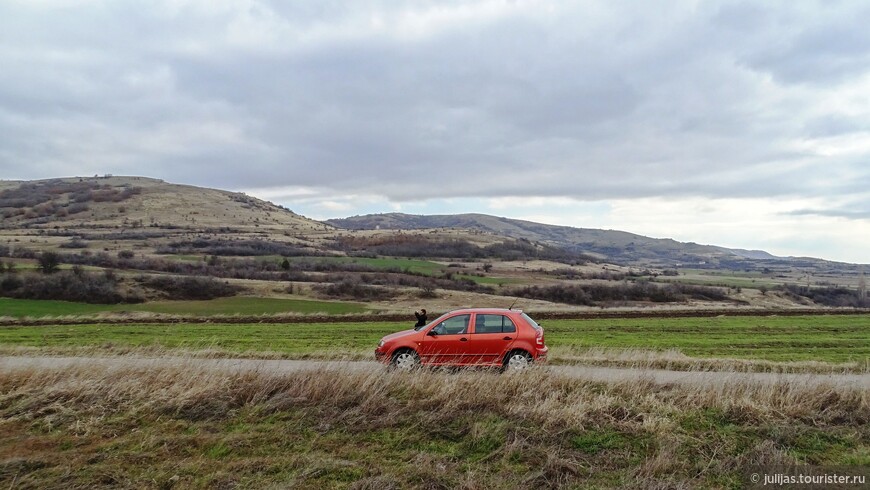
point(432, 333)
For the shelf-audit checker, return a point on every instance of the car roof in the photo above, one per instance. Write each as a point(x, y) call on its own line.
point(491, 311)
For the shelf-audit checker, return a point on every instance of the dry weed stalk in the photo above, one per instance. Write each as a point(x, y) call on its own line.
point(570, 429)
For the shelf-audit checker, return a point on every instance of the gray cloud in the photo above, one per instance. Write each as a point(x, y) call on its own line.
point(424, 100)
point(827, 48)
point(833, 213)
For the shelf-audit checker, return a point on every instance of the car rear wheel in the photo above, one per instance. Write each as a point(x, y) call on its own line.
point(405, 360)
point(517, 361)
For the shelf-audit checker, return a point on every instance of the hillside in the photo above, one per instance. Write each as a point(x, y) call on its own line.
point(618, 246)
point(137, 202)
point(159, 242)
point(610, 245)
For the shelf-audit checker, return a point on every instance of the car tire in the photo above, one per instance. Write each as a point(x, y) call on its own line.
point(405, 360)
point(517, 360)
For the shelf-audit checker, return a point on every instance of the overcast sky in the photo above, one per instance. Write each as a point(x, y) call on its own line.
point(743, 124)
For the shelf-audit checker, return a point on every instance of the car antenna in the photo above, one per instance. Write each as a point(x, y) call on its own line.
point(512, 304)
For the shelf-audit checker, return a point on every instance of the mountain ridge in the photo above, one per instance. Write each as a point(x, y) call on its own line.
point(135, 202)
point(128, 202)
point(621, 246)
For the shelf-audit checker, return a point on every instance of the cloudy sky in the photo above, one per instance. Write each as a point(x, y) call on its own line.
point(743, 124)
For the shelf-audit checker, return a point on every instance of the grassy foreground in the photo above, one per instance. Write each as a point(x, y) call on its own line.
point(186, 427)
point(831, 339)
point(239, 305)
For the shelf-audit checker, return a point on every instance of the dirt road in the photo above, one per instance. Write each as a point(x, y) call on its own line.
point(592, 373)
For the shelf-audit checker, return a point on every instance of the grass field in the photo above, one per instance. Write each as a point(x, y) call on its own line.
point(221, 306)
point(835, 339)
point(183, 426)
point(411, 265)
point(721, 281)
point(799, 338)
point(490, 280)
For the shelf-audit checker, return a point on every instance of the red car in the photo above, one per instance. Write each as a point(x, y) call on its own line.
point(472, 337)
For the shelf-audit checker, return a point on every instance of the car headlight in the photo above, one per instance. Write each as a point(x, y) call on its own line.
point(380, 344)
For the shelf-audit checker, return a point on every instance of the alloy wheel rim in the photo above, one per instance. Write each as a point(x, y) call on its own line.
point(405, 361)
point(518, 361)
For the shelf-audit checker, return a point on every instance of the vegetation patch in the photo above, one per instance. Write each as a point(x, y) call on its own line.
point(239, 247)
point(355, 290)
point(58, 199)
point(598, 294)
point(420, 246)
point(371, 264)
point(783, 339)
point(73, 285)
point(180, 424)
point(189, 287)
point(237, 305)
point(663, 342)
point(829, 296)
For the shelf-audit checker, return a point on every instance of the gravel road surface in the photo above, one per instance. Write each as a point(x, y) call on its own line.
point(592, 373)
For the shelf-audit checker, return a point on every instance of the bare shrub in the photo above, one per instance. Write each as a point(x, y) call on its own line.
point(350, 289)
point(828, 296)
point(427, 292)
point(76, 208)
point(57, 198)
point(594, 294)
point(235, 248)
point(187, 287)
point(74, 243)
point(49, 262)
point(76, 285)
point(422, 246)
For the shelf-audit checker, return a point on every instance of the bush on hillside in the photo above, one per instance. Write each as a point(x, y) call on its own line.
point(190, 287)
point(596, 294)
point(827, 296)
point(424, 247)
point(355, 290)
point(75, 285)
point(221, 247)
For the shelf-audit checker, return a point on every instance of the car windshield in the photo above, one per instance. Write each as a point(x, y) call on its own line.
point(435, 321)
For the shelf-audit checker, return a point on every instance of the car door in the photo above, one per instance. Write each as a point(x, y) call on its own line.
point(492, 336)
point(446, 342)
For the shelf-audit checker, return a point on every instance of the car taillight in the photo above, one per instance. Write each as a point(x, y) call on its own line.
point(540, 339)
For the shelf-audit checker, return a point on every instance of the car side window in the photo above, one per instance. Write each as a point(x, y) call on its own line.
point(453, 325)
point(493, 324)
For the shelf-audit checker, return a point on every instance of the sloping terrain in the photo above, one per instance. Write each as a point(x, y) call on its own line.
point(613, 245)
point(127, 240)
point(610, 245)
point(137, 202)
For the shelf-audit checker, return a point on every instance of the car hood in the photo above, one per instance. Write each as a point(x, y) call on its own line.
point(399, 335)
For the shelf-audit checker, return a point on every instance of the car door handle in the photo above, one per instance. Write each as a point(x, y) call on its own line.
point(463, 339)
point(508, 338)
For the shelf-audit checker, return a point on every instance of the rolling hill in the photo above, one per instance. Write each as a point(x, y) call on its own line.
point(611, 245)
point(157, 234)
point(137, 202)
point(67, 206)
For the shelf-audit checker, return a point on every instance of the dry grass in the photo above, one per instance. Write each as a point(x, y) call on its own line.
point(674, 360)
point(671, 360)
point(110, 350)
point(339, 427)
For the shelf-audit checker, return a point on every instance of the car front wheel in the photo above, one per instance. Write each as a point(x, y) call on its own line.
point(405, 360)
point(517, 361)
